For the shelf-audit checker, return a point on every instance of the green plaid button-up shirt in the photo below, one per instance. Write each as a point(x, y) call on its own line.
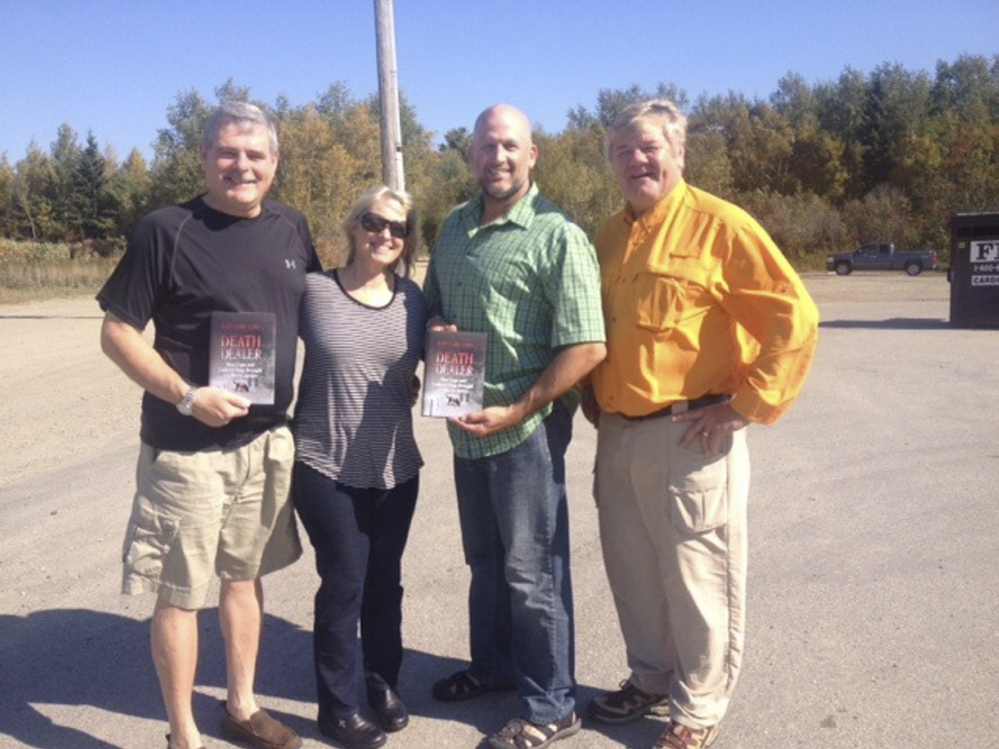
point(530, 280)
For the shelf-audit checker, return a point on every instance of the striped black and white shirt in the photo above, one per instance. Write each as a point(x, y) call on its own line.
point(353, 420)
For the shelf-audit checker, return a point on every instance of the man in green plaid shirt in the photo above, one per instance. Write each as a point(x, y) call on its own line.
point(511, 264)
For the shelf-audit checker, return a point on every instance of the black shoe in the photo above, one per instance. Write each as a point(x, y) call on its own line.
point(352, 731)
point(626, 704)
point(391, 711)
point(464, 685)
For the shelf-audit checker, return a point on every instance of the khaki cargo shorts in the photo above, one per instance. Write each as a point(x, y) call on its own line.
point(226, 512)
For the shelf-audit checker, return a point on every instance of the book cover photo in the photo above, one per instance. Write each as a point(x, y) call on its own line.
point(454, 373)
point(242, 356)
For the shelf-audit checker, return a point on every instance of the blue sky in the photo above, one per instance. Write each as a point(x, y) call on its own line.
point(114, 66)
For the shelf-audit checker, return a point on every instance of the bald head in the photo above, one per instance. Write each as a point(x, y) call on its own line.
point(506, 113)
point(502, 156)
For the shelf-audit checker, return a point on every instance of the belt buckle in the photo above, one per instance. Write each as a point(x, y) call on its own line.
point(679, 407)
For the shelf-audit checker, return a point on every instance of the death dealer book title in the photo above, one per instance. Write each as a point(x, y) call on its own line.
point(241, 356)
point(454, 373)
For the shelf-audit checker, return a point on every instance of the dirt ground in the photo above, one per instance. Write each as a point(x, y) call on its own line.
point(873, 603)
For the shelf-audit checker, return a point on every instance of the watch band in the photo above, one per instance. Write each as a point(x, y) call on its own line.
point(186, 405)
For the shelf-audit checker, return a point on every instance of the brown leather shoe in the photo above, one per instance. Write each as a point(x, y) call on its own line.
point(263, 731)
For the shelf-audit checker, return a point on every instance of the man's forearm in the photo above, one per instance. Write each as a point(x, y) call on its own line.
point(125, 346)
point(569, 366)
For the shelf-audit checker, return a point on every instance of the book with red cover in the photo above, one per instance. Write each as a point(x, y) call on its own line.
point(454, 373)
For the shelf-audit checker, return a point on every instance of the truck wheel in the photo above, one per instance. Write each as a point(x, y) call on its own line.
point(913, 269)
point(843, 268)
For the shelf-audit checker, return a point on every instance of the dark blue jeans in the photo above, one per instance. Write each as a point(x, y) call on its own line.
point(515, 534)
point(359, 536)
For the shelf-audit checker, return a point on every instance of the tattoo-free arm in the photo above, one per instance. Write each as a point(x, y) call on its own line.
point(126, 347)
point(568, 367)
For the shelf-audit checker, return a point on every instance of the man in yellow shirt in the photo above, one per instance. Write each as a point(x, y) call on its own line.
point(708, 330)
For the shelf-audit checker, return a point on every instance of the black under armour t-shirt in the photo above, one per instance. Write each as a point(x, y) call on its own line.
point(183, 263)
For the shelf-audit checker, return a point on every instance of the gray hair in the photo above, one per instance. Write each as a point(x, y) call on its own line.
point(244, 115)
point(363, 204)
point(660, 112)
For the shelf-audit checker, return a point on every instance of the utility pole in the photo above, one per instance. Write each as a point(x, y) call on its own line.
point(388, 95)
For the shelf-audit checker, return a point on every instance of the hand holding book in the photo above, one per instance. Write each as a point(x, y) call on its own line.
point(215, 407)
point(491, 420)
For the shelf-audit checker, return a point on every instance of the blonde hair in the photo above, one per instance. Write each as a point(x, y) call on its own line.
point(363, 204)
point(660, 112)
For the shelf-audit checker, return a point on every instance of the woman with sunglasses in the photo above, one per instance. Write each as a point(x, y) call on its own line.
point(357, 465)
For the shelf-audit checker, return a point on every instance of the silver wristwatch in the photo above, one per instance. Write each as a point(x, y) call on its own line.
point(186, 405)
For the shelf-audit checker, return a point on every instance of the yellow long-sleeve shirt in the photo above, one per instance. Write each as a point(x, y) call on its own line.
point(698, 299)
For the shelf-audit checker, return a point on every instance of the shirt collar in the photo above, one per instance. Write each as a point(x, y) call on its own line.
point(521, 214)
point(660, 210)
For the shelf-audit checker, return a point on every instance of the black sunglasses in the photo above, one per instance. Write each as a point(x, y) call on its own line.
point(374, 223)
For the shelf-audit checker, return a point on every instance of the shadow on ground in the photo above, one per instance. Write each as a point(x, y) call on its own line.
point(92, 659)
point(96, 659)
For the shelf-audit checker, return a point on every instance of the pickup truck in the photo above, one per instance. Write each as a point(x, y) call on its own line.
point(882, 256)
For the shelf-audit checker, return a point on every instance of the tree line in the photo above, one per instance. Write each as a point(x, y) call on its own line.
point(886, 156)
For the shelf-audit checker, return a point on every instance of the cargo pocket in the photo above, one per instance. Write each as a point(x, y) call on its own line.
point(699, 497)
point(150, 535)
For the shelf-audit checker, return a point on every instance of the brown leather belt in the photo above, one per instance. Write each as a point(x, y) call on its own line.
point(683, 406)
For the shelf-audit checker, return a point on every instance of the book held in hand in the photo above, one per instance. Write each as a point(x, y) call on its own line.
point(242, 356)
point(454, 373)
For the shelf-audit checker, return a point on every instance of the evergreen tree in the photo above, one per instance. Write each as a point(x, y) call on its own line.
point(93, 205)
point(66, 154)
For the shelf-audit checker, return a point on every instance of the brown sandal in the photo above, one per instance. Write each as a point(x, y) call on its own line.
point(522, 734)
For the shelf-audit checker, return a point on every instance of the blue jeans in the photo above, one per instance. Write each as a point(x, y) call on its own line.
point(515, 534)
point(359, 536)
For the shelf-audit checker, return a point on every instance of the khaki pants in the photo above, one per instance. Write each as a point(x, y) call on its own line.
point(673, 531)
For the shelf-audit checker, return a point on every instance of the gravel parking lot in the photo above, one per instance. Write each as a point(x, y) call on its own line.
point(873, 603)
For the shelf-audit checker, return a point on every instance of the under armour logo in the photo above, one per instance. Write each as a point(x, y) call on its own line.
point(290, 264)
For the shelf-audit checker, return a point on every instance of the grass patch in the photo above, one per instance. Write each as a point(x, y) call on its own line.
point(40, 270)
point(809, 263)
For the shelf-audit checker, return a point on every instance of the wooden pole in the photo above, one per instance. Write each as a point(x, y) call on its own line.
point(388, 95)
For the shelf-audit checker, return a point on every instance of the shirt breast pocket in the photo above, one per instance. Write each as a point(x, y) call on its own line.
point(661, 301)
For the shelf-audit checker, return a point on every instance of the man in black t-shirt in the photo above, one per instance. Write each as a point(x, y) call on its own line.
point(214, 470)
